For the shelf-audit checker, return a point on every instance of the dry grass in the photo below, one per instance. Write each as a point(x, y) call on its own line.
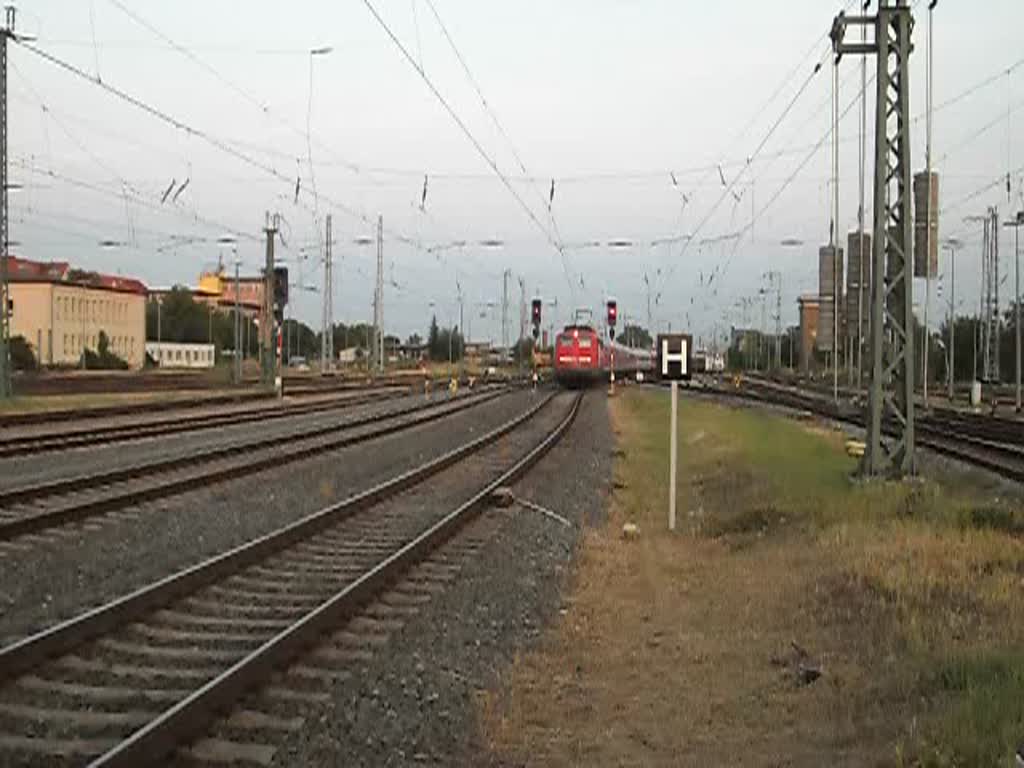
point(676, 649)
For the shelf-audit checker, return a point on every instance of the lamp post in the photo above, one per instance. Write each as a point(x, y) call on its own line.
point(951, 244)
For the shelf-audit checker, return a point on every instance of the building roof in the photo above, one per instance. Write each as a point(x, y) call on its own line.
point(24, 270)
point(27, 271)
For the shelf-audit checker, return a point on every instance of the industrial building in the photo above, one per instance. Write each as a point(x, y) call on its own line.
point(810, 310)
point(60, 311)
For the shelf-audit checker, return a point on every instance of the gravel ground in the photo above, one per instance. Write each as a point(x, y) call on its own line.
point(42, 583)
point(33, 468)
point(418, 701)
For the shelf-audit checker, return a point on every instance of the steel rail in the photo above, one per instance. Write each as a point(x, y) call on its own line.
point(27, 653)
point(191, 716)
point(33, 523)
point(24, 445)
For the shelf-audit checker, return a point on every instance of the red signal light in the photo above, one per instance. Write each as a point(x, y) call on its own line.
point(613, 312)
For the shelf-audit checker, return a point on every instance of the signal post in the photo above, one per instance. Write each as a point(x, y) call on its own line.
point(536, 307)
point(613, 318)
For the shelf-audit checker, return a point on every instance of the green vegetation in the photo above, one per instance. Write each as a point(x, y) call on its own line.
point(912, 588)
point(22, 356)
point(103, 359)
point(444, 343)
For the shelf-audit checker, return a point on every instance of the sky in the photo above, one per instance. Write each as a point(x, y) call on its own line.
point(632, 112)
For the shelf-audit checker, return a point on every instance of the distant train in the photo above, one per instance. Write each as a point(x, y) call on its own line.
point(582, 358)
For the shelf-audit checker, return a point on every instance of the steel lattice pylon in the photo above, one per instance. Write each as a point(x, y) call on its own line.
point(891, 349)
point(5, 301)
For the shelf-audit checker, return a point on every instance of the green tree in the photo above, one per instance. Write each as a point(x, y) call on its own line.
point(523, 350)
point(442, 350)
point(434, 340)
point(635, 336)
point(103, 359)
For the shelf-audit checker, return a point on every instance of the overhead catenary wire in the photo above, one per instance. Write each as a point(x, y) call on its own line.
point(771, 131)
point(474, 141)
point(198, 133)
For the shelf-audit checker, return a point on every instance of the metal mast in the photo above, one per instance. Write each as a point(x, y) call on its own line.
point(378, 300)
point(990, 306)
point(890, 395)
point(327, 324)
point(504, 309)
point(6, 389)
point(268, 353)
point(997, 322)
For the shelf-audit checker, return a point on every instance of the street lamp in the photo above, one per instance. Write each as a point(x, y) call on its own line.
point(951, 244)
point(1017, 223)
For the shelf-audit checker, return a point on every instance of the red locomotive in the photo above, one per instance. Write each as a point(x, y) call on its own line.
point(583, 358)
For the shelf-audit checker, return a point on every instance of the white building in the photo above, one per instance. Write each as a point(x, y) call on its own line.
point(170, 354)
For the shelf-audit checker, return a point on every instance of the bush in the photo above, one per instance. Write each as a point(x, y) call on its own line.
point(103, 359)
point(22, 357)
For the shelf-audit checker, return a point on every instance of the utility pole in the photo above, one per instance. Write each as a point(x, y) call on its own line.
point(930, 56)
point(996, 317)
point(327, 322)
point(378, 300)
point(647, 284)
point(1017, 223)
point(268, 355)
point(238, 325)
point(6, 388)
point(891, 392)
point(837, 264)
point(522, 323)
point(778, 318)
point(951, 384)
point(862, 147)
point(504, 309)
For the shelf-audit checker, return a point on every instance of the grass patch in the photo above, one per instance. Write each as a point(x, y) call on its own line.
point(983, 720)
point(906, 594)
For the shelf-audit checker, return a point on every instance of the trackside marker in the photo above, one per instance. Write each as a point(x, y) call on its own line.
point(673, 456)
point(674, 366)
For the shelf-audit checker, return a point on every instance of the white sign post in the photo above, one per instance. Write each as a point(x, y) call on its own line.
point(674, 366)
point(673, 457)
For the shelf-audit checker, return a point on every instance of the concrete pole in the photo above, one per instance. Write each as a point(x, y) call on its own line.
point(268, 355)
point(238, 328)
point(6, 387)
point(1016, 301)
point(836, 264)
point(928, 224)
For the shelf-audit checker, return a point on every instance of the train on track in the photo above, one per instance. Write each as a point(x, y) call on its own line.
point(583, 358)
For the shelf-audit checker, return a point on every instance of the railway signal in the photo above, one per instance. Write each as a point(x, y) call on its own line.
point(613, 317)
point(535, 313)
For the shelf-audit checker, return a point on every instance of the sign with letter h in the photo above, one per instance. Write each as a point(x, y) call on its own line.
point(674, 356)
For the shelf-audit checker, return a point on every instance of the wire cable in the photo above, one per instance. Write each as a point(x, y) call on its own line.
point(473, 140)
point(728, 190)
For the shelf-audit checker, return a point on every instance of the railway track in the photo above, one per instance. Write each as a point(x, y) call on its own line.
point(132, 681)
point(81, 437)
point(993, 444)
point(36, 508)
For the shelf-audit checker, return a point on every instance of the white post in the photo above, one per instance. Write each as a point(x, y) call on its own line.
point(673, 455)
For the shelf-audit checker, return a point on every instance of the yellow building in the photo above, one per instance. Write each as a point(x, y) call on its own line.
point(61, 311)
